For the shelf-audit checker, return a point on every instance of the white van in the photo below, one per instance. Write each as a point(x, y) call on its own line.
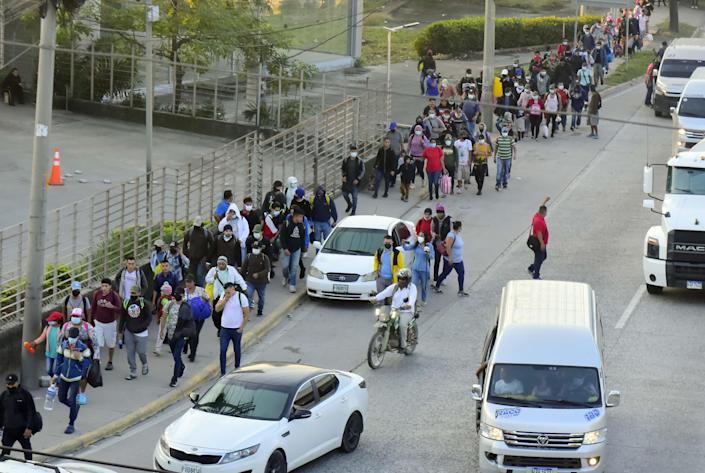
point(681, 58)
point(541, 399)
point(689, 115)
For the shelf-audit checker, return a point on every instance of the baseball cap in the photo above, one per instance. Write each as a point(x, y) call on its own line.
point(77, 311)
point(198, 221)
point(222, 258)
point(11, 378)
point(257, 228)
point(440, 208)
point(159, 242)
point(393, 126)
point(388, 237)
point(75, 286)
point(55, 317)
point(173, 244)
point(134, 290)
point(300, 192)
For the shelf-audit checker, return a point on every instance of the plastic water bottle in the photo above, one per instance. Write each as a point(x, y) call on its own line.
point(50, 398)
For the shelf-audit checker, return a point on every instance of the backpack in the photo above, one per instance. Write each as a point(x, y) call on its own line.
point(395, 257)
point(200, 309)
point(84, 299)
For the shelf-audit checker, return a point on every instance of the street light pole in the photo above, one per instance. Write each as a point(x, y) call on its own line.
point(388, 102)
point(488, 65)
point(149, 84)
point(32, 322)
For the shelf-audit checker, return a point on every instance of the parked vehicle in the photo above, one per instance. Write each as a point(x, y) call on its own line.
point(679, 61)
point(689, 114)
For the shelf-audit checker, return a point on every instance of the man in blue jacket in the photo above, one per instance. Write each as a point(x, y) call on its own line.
point(73, 360)
point(323, 214)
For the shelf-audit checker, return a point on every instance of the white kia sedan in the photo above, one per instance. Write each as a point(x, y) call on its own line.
point(266, 417)
point(342, 269)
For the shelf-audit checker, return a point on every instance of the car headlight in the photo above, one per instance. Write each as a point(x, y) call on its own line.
point(490, 432)
point(596, 436)
point(660, 88)
point(369, 277)
point(681, 131)
point(239, 454)
point(314, 272)
point(652, 248)
point(163, 444)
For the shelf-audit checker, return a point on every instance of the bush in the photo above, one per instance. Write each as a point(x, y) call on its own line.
point(465, 35)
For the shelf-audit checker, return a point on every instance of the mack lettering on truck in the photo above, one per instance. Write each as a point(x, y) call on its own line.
point(685, 248)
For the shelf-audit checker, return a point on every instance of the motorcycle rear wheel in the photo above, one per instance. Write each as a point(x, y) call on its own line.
point(412, 338)
point(375, 351)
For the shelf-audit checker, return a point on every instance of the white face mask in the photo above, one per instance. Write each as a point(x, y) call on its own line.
point(482, 142)
point(505, 134)
point(448, 142)
point(75, 320)
point(560, 87)
point(227, 237)
point(431, 114)
point(257, 236)
point(353, 154)
point(417, 132)
point(53, 323)
point(432, 145)
point(276, 213)
point(420, 240)
point(256, 251)
point(72, 341)
point(535, 97)
point(248, 207)
point(471, 97)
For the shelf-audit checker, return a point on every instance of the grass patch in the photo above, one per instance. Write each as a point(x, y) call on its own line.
point(535, 6)
point(685, 30)
point(626, 72)
point(374, 47)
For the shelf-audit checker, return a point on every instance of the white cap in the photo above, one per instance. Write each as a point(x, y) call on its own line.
point(77, 311)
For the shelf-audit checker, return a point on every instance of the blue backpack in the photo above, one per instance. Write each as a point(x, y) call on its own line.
point(200, 308)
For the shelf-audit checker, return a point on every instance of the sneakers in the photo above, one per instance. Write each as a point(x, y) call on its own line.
point(173, 383)
point(259, 313)
point(412, 186)
point(285, 281)
point(130, 377)
point(181, 371)
point(530, 270)
point(292, 289)
point(437, 290)
point(81, 399)
point(347, 209)
point(145, 370)
point(462, 294)
point(478, 193)
point(69, 429)
point(385, 195)
point(496, 188)
point(109, 366)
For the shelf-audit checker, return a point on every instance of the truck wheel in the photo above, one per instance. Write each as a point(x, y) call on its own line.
point(651, 289)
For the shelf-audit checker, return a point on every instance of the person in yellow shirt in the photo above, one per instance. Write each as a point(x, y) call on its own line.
point(388, 260)
point(480, 152)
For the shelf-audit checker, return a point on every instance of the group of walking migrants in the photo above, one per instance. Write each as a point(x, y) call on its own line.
point(212, 274)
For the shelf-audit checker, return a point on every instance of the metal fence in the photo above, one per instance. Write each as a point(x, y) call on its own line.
point(89, 239)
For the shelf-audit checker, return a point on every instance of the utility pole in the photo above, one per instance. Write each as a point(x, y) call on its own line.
point(151, 15)
point(673, 16)
point(388, 102)
point(488, 66)
point(2, 34)
point(32, 323)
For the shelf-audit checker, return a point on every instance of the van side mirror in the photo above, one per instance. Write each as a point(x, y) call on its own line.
point(317, 245)
point(648, 185)
point(649, 204)
point(300, 414)
point(476, 392)
point(194, 397)
point(613, 399)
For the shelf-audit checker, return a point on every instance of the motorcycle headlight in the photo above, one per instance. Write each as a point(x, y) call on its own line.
point(490, 432)
point(314, 272)
point(369, 277)
point(239, 454)
point(596, 436)
point(163, 444)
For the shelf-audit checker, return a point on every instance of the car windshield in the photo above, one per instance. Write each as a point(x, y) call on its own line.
point(571, 387)
point(231, 397)
point(679, 67)
point(354, 241)
point(692, 107)
point(686, 181)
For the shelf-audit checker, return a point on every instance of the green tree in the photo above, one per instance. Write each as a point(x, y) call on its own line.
point(197, 31)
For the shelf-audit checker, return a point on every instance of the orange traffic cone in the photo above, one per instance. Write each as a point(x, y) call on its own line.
point(55, 178)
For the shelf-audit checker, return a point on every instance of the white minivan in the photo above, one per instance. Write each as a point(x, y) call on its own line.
point(540, 404)
point(680, 59)
point(689, 115)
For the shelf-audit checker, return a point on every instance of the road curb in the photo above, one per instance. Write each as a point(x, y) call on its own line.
point(210, 371)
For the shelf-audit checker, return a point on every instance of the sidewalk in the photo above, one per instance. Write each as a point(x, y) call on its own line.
point(119, 399)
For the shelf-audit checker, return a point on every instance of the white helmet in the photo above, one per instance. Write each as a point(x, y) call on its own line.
point(505, 72)
point(404, 273)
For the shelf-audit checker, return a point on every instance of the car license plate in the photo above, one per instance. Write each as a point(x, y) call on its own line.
point(543, 469)
point(188, 468)
point(694, 285)
point(340, 288)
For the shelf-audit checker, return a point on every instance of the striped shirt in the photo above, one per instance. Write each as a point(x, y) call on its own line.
point(504, 147)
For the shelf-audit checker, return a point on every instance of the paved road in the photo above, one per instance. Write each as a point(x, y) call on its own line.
point(421, 417)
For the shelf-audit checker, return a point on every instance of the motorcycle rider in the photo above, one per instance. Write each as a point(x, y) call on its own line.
point(403, 295)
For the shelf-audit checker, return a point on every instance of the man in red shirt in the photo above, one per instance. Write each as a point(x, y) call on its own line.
point(539, 230)
point(107, 307)
point(434, 167)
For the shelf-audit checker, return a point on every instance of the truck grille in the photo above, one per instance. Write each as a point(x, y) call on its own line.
point(570, 463)
point(342, 277)
point(686, 246)
point(544, 441)
point(694, 135)
point(202, 459)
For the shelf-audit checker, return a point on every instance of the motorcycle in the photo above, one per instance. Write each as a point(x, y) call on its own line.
point(386, 337)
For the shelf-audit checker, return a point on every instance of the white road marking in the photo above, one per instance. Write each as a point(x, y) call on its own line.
point(630, 308)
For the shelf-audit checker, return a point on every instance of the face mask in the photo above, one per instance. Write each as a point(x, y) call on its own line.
point(516, 65)
point(505, 134)
point(560, 87)
point(448, 142)
point(76, 293)
point(256, 251)
point(75, 320)
point(482, 142)
point(432, 145)
point(257, 236)
point(536, 97)
point(72, 341)
point(431, 115)
point(468, 75)
point(227, 237)
point(417, 132)
point(565, 43)
point(276, 213)
point(248, 207)
point(471, 97)
point(507, 94)
point(420, 240)
point(387, 245)
point(427, 217)
point(543, 74)
point(53, 323)
point(353, 154)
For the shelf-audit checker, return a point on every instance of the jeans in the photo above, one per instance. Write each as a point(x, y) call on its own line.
point(177, 346)
point(535, 121)
point(290, 266)
point(539, 257)
point(321, 230)
point(226, 336)
point(347, 194)
point(50, 366)
point(598, 74)
point(447, 268)
point(649, 93)
point(382, 284)
point(437, 263)
point(10, 436)
point(422, 82)
point(379, 177)
point(200, 273)
point(434, 179)
point(193, 341)
point(260, 288)
point(420, 279)
point(471, 128)
point(504, 169)
point(135, 344)
point(575, 118)
point(564, 120)
point(68, 390)
point(584, 89)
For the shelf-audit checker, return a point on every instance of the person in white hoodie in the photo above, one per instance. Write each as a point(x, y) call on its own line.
point(219, 275)
point(241, 229)
point(291, 184)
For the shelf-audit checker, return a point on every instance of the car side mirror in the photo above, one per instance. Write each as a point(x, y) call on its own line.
point(194, 397)
point(649, 204)
point(648, 184)
point(476, 392)
point(317, 245)
point(613, 399)
point(300, 414)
